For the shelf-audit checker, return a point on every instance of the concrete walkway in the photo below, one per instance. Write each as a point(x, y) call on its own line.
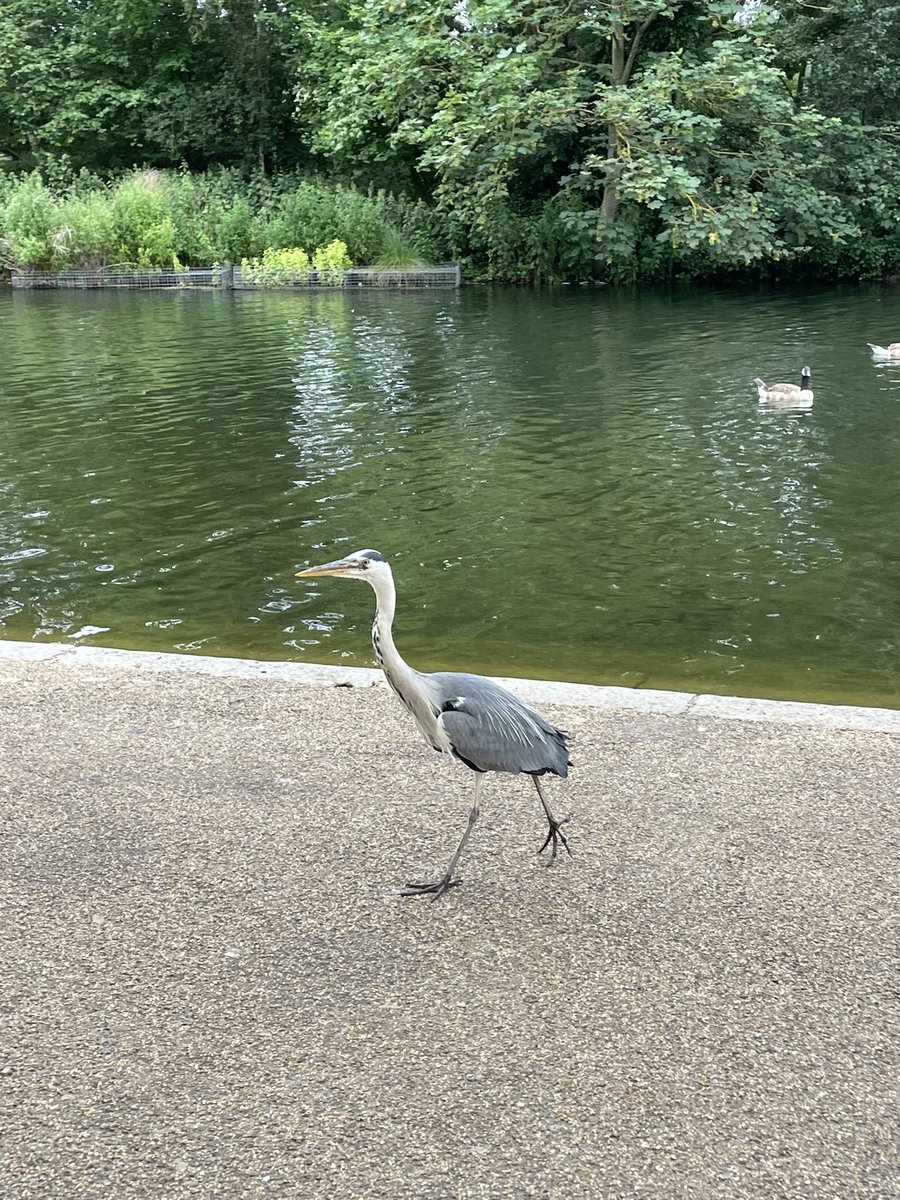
point(209, 987)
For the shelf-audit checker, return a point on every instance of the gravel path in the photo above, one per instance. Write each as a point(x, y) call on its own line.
point(210, 988)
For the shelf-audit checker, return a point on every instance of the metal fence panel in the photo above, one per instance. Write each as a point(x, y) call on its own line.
point(227, 276)
point(356, 277)
point(118, 277)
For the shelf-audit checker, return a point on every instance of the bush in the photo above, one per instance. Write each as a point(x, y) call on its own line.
point(278, 267)
point(292, 265)
point(165, 218)
point(235, 231)
point(144, 230)
point(398, 250)
point(29, 224)
point(90, 229)
point(313, 214)
point(331, 261)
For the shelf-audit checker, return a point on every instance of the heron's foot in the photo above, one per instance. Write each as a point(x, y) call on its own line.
point(554, 838)
point(432, 889)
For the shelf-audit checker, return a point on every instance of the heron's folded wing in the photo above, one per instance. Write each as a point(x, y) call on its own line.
point(492, 730)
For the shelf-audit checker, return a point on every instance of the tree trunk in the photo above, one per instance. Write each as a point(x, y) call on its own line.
point(622, 66)
point(262, 98)
point(610, 201)
point(801, 80)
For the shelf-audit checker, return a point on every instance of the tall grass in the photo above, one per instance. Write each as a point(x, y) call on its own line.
point(171, 218)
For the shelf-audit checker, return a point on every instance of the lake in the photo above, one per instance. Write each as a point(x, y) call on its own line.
point(576, 485)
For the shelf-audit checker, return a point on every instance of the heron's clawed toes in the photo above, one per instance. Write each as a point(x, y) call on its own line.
point(554, 837)
point(431, 889)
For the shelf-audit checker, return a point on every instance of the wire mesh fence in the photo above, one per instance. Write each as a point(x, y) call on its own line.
point(356, 277)
point(238, 278)
point(119, 277)
point(403, 277)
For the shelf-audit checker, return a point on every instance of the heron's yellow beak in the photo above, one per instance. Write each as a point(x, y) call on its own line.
point(340, 566)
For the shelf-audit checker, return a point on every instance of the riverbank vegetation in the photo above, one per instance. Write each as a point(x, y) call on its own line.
point(153, 218)
point(622, 140)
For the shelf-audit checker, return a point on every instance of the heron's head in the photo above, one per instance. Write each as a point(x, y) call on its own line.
point(362, 564)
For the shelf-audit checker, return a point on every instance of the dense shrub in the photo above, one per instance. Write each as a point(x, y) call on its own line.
point(169, 218)
point(31, 225)
point(172, 218)
point(294, 265)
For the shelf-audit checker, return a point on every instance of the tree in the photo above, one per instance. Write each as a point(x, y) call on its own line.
point(597, 125)
point(109, 83)
point(53, 98)
point(711, 145)
point(843, 56)
point(620, 137)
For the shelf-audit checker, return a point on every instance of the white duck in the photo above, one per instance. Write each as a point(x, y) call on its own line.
point(889, 353)
point(787, 395)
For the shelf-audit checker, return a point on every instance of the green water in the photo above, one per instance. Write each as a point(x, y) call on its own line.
point(580, 485)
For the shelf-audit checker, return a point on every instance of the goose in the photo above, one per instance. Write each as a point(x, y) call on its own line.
point(885, 353)
point(787, 395)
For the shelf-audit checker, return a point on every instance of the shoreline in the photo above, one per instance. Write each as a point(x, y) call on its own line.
point(534, 691)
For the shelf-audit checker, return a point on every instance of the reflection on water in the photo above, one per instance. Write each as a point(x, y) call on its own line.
point(579, 485)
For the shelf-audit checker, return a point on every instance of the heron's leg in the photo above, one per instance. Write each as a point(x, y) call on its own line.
point(555, 835)
point(447, 881)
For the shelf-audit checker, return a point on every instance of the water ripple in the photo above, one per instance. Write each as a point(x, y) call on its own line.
point(578, 485)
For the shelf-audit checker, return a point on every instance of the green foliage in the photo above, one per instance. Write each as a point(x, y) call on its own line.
point(163, 219)
point(235, 230)
point(532, 139)
point(277, 268)
point(143, 227)
point(713, 148)
point(91, 237)
point(110, 82)
point(312, 214)
point(331, 261)
point(131, 223)
point(30, 227)
point(648, 137)
point(398, 251)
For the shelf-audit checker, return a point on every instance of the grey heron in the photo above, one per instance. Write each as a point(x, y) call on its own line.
point(480, 723)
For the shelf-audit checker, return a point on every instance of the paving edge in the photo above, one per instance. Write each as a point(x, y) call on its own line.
point(535, 691)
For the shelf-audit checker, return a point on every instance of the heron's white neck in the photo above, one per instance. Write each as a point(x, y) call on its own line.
point(408, 685)
point(389, 658)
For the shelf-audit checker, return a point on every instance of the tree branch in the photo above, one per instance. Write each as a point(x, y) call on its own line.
point(636, 45)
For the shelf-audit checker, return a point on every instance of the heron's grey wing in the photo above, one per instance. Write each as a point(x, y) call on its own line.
point(490, 729)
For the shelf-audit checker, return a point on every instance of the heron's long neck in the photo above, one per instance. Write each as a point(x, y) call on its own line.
point(406, 683)
point(387, 654)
